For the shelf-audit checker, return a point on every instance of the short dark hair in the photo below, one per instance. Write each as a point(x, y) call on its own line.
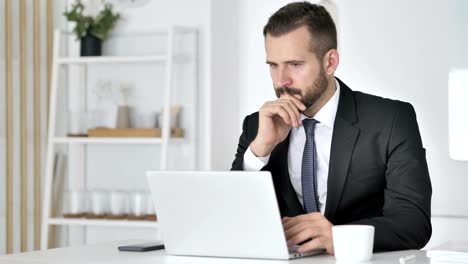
point(317, 19)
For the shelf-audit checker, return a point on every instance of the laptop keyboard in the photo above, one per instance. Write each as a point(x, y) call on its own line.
point(293, 252)
point(293, 249)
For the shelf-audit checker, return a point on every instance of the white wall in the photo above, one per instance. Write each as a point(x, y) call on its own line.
point(225, 82)
point(398, 49)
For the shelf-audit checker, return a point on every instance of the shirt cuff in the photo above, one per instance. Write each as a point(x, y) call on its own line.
point(252, 162)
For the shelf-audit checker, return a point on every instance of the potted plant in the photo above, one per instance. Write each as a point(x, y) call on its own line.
point(94, 19)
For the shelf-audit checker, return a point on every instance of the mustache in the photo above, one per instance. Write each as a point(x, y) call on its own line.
point(287, 90)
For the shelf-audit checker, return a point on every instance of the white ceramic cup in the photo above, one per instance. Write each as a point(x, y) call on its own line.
point(137, 203)
point(75, 202)
point(118, 203)
point(99, 202)
point(353, 243)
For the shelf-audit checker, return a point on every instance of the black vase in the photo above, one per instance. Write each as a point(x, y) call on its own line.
point(90, 45)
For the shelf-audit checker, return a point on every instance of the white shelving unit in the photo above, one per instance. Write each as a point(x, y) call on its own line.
point(169, 59)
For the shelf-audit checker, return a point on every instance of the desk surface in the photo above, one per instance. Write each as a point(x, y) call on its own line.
point(108, 253)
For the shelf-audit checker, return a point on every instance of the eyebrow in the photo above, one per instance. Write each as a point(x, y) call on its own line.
point(287, 62)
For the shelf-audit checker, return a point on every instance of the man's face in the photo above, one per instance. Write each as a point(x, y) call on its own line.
point(294, 68)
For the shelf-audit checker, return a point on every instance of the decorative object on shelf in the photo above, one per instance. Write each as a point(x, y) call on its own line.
point(175, 116)
point(137, 206)
point(110, 205)
point(94, 19)
point(113, 104)
point(106, 110)
point(61, 201)
point(90, 45)
point(123, 117)
point(123, 111)
point(75, 204)
point(118, 205)
point(98, 204)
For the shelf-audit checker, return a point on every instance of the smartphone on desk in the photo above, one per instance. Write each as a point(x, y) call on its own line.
point(142, 247)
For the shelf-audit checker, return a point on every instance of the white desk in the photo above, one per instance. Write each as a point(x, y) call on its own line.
point(108, 253)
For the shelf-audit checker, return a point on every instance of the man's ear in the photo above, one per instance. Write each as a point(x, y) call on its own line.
point(331, 61)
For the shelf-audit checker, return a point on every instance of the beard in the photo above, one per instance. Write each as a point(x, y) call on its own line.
point(311, 94)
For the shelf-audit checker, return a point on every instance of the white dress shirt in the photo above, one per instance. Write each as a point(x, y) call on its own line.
point(323, 137)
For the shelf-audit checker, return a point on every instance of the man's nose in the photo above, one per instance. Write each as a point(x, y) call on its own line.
point(283, 78)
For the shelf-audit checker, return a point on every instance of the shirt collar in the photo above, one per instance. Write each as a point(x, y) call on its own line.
point(326, 115)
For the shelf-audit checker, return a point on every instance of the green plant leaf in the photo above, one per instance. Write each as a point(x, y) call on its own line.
point(100, 27)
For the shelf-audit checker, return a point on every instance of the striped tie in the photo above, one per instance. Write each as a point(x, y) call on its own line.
point(309, 168)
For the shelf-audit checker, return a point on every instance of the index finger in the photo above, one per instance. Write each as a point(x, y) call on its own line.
point(297, 102)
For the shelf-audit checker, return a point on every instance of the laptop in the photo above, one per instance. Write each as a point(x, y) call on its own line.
point(220, 214)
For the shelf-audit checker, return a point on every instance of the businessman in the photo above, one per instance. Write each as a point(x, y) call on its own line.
point(336, 156)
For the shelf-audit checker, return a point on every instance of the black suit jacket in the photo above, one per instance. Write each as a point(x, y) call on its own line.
point(377, 173)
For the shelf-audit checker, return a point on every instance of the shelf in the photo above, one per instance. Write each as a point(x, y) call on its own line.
point(116, 140)
point(103, 222)
point(120, 59)
point(146, 32)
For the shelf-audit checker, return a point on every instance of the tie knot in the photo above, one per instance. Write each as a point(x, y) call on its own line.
point(309, 125)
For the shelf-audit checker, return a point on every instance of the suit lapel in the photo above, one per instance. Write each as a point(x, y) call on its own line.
point(344, 138)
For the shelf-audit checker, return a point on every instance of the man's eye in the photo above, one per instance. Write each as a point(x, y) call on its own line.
point(295, 65)
point(272, 66)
